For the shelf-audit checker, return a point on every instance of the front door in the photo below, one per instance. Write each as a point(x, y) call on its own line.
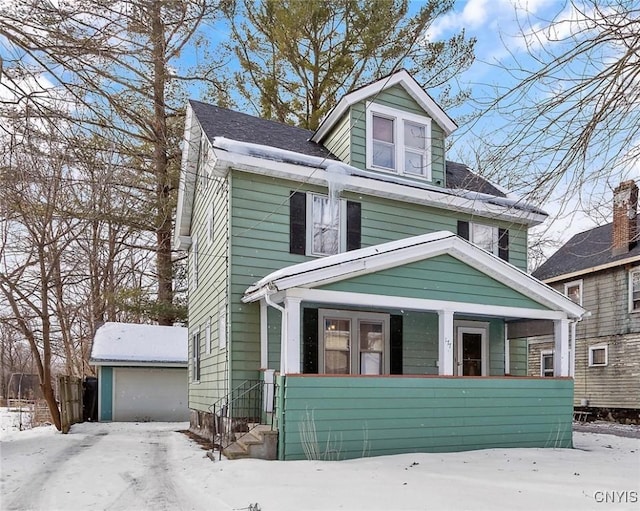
point(472, 351)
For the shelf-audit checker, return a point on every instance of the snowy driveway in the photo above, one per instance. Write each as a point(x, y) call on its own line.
point(149, 466)
point(98, 466)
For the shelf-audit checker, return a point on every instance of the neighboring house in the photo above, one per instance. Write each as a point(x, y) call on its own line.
point(600, 270)
point(372, 276)
point(142, 372)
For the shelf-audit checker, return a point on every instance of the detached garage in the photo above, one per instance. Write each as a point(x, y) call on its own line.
point(142, 372)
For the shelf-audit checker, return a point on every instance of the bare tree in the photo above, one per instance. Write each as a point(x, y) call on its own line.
point(571, 121)
point(117, 65)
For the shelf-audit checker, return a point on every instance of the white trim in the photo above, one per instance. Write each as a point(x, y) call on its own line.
point(604, 347)
point(136, 363)
point(402, 78)
point(195, 355)
point(592, 269)
point(399, 117)
point(400, 189)
point(419, 304)
point(472, 327)
point(398, 253)
point(561, 348)
point(630, 289)
point(445, 342)
point(188, 172)
point(574, 283)
point(207, 337)
point(292, 339)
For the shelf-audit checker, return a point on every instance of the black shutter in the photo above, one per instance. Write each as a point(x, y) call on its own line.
point(354, 223)
point(310, 341)
point(297, 223)
point(395, 331)
point(503, 244)
point(463, 229)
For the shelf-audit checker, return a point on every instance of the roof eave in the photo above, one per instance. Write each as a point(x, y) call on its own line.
point(402, 78)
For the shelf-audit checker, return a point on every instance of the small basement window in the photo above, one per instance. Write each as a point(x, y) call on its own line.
point(598, 355)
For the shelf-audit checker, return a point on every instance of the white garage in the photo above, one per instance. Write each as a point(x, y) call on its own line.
point(142, 372)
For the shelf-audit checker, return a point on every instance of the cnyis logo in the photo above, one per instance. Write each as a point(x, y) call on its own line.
point(616, 497)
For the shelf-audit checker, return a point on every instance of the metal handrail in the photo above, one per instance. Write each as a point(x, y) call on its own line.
point(238, 409)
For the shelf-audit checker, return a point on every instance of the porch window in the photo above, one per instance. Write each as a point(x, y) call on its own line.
point(634, 291)
point(353, 342)
point(598, 355)
point(573, 290)
point(546, 363)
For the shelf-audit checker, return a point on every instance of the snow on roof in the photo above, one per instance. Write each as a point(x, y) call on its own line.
point(128, 342)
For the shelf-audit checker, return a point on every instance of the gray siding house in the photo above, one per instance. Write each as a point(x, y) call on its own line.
point(351, 289)
point(600, 270)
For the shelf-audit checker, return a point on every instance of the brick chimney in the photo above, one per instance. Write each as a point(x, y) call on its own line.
point(625, 207)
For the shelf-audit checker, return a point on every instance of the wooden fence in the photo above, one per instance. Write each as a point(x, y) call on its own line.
point(70, 389)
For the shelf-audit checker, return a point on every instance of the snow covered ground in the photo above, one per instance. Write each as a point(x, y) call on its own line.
point(140, 466)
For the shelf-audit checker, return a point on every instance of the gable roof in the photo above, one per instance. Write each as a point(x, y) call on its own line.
point(135, 344)
point(585, 252)
point(373, 259)
point(402, 78)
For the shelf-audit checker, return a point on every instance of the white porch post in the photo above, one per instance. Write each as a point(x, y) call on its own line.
point(445, 343)
point(264, 335)
point(572, 359)
point(291, 339)
point(507, 353)
point(561, 353)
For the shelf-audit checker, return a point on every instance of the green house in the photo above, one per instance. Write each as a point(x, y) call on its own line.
point(351, 291)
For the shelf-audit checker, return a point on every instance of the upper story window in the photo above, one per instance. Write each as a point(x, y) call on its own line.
point(398, 141)
point(325, 234)
point(320, 227)
point(634, 291)
point(573, 290)
point(493, 239)
point(598, 355)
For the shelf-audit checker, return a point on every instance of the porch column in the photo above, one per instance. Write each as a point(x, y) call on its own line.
point(264, 335)
point(572, 359)
point(561, 353)
point(445, 343)
point(291, 350)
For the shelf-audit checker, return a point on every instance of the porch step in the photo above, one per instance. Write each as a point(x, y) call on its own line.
point(260, 443)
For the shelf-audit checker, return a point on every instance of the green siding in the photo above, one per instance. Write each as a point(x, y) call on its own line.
point(518, 357)
point(372, 416)
point(106, 393)
point(395, 97)
point(208, 298)
point(338, 140)
point(438, 278)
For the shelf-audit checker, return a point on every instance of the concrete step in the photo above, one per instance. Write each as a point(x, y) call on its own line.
point(260, 443)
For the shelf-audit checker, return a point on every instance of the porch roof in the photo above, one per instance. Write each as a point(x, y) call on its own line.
point(339, 267)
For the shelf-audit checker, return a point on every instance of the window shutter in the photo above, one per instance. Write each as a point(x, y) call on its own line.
point(354, 223)
point(463, 229)
point(310, 341)
point(297, 223)
point(503, 244)
point(395, 331)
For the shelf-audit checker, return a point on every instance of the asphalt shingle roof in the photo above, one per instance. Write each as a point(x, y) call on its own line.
point(222, 122)
point(585, 250)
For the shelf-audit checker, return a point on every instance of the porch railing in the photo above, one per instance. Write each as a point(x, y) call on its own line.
point(247, 406)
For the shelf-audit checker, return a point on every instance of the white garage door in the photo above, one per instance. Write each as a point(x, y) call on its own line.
point(148, 394)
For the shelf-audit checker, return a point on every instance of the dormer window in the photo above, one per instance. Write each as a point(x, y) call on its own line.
point(398, 141)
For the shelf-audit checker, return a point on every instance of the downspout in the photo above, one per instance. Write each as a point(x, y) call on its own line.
point(267, 298)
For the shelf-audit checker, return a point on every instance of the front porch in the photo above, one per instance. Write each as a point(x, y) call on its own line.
point(342, 417)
